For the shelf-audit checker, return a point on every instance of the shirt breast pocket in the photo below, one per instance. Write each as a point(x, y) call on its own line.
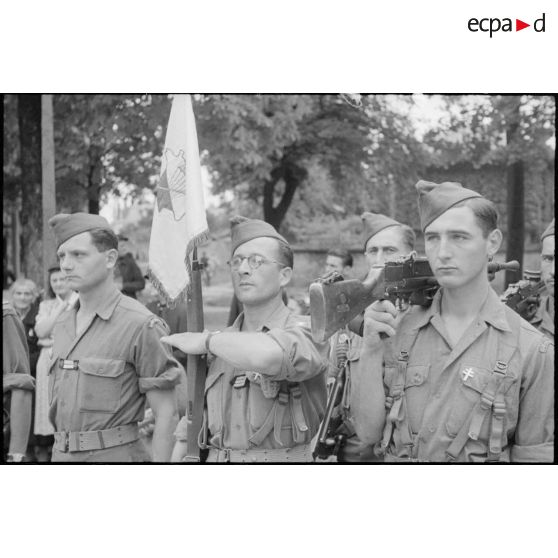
point(472, 383)
point(100, 384)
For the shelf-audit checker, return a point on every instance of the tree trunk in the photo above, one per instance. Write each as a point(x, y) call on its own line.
point(94, 180)
point(293, 176)
point(29, 116)
point(392, 197)
point(515, 201)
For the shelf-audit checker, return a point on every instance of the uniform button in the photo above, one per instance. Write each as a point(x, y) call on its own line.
point(431, 429)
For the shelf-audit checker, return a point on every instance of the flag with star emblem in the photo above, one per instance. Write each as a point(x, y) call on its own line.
point(179, 220)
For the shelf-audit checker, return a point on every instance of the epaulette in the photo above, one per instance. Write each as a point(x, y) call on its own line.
point(546, 342)
point(302, 321)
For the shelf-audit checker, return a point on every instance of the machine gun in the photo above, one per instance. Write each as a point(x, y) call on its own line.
point(329, 442)
point(524, 296)
point(331, 436)
point(334, 302)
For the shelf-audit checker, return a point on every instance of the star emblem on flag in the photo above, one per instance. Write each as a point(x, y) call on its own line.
point(171, 189)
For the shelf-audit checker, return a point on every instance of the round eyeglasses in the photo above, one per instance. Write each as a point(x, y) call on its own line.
point(254, 261)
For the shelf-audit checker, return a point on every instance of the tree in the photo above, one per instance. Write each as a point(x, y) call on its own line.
point(107, 143)
point(502, 147)
point(263, 146)
point(29, 120)
point(103, 143)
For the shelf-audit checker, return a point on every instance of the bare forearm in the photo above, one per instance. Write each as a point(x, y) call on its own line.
point(368, 396)
point(163, 437)
point(20, 420)
point(255, 351)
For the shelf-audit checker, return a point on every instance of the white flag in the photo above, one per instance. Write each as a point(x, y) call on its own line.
point(179, 221)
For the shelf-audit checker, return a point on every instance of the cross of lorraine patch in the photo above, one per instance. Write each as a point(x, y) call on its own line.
point(468, 372)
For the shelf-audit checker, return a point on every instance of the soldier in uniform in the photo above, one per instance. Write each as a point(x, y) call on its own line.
point(107, 356)
point(466, 379)
point(340, 260)
point(544, 318)
point(385, 239)
point(266, 386)
point(17, 383)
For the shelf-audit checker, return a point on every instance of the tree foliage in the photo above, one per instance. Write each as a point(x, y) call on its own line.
point(471, 146)
point(310, 164)
point(107, 143)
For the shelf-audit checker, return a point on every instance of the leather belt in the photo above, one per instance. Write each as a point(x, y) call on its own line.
point(297, 454)
point(95, 439)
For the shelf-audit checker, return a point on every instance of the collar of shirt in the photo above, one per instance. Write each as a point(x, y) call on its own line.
point(106, 308)
point(492, 311)
point(277, 318)
point(542, 315)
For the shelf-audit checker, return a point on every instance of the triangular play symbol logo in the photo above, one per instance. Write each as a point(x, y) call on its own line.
point(519, 25)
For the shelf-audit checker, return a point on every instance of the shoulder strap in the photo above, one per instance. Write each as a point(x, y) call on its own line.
point(491, 400)
point(394, 401)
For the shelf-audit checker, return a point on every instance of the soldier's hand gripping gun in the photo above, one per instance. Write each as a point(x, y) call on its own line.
point(524, 296)
point(335, 302)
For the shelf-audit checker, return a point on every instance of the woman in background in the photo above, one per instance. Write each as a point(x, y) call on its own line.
point(60, 298)
point(23, 296)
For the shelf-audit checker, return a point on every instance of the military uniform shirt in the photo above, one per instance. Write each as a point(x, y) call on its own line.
point(443, 384)
point(119, 357)
point(236, 404)
point(15, 353)
point(542, 319)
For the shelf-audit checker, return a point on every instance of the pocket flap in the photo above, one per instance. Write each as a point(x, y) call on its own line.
point(107, 368)
point(416, 374)
point(474, 377)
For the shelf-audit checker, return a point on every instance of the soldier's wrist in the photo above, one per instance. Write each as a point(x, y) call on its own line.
point(208, 339)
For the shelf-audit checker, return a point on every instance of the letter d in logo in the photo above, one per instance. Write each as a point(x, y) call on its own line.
point(540, 21)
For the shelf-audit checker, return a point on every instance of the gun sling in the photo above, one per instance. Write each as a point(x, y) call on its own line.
point(492, 399)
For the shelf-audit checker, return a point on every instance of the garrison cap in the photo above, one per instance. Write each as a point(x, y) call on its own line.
point(435, 199)
point(244, 229)
point(549, 231)
point(66, 225)
point(374, 223)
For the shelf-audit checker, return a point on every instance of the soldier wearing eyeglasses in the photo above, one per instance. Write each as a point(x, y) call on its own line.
point(266, 386)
